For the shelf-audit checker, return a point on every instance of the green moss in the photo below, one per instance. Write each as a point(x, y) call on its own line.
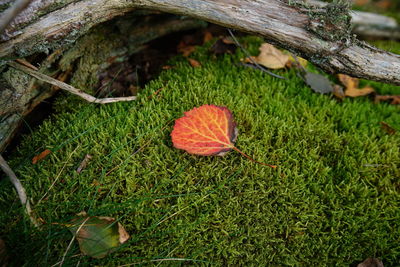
point(334, 199)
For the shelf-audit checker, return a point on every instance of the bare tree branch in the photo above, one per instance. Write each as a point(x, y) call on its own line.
point(68, 87)
point(290, 24)
point(20, 189)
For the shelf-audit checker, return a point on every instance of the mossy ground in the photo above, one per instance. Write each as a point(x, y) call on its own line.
point(333, 200)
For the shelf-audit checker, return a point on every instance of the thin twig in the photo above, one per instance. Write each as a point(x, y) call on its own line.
point(12, 12)
point(251, 59)
point(20, 189)
point(68, 87)
point(72, 240)
point(57, 177)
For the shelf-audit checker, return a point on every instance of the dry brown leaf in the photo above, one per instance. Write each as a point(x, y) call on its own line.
point(185, 49)
point(228, 40)
point(40, 156)
point(338, 91)
point(351, 85)
point(347, 81)
point(207, 37)
point(371, 262)
point(223, 46)
point(395, 99)
point(167, 67)
point(194, 63)
point(359, 92)
point(270, 57)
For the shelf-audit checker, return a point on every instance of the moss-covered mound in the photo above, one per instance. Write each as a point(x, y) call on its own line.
point(333, 200)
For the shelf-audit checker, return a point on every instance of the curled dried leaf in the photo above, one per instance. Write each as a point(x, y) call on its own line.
point(351, 85)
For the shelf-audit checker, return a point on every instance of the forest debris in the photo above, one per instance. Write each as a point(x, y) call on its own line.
point(68, 87)
point(371, 262)
point(338, 92)
point(20, 190)
point(351, 85)
point(223, 46)
point(84, 163)
point(186, 50)
point(207, 37)
point(395, 99)
point(318, 82)
point(194, 63)
point(98, 236)
point(387, 128)
point(270, 57)
point(41, 156)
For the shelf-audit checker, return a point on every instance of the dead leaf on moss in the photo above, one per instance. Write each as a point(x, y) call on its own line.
point(84, 163)
point(185, 49)
point(387, 128)
point(318, 83)
point(394, 99)
point(40, 156)
point(270, 57)
point(194, 63)
point(207, 37)
point(97, 236)
point(351, 85)
point(371, 262)
point(167, 67)
point(223, 46)
point(338, 92)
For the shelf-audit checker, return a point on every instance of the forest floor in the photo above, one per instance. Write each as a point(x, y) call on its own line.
point(334, 198)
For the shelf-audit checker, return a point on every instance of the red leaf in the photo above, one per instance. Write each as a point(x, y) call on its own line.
point(207, 130)
point(40, 156)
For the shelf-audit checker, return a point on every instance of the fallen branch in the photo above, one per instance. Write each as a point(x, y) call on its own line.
point(20, 189)
point(289, 24)
point(67, 87)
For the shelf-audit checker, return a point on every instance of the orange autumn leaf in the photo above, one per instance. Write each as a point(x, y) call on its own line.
point(194, 63)
point(207, 130)
point(40, 156)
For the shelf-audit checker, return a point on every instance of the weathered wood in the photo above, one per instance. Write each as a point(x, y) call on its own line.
point(290, 24)
point(114, 41)
point(369, 25)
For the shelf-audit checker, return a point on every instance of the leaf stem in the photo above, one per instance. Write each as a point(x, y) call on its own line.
point(250, 158)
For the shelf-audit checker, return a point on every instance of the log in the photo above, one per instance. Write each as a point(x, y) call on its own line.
point(90, 55)
point(320, 34)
